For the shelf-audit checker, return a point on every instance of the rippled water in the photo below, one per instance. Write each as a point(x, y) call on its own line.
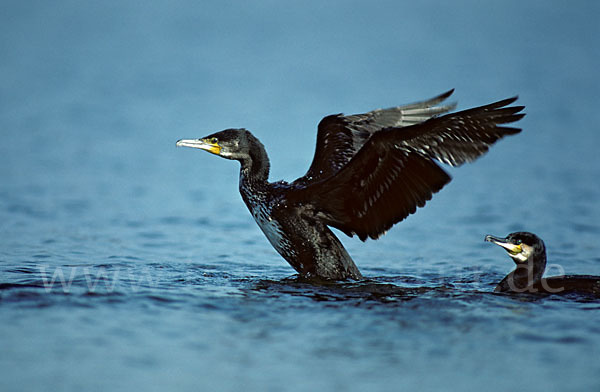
point(128, 264)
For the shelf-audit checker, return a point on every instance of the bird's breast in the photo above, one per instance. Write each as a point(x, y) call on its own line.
point(273, 230)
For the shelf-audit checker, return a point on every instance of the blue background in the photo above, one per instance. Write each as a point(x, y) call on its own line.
point(173, 285)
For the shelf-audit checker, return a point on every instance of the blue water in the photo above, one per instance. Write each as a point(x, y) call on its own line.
point(128, 264)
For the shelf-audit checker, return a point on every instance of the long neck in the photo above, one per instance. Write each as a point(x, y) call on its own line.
point(525, 276)
point(255, 165)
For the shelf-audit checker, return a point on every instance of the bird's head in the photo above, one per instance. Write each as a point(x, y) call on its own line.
point(520, 246)
point(229, 144)
point(238, 144)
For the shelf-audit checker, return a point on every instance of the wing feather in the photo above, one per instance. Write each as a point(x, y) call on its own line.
point(395, 171)
point(340, 137)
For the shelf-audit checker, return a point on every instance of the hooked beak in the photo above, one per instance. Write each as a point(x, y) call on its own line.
point(511, 248)
point(202, 144)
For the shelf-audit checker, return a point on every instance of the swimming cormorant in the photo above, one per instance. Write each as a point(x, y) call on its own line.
point(529, 254)
point(369, 172)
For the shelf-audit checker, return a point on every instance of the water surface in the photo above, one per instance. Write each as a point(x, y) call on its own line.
point(128, 264)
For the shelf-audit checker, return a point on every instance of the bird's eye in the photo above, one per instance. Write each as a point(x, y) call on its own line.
point(519, 242)
point(214, 140)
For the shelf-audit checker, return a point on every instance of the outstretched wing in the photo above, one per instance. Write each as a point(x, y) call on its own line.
point(340, 137)
point(394, 172)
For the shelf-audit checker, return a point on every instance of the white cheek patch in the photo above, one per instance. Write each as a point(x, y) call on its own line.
point(524, 254)
point(522, 257)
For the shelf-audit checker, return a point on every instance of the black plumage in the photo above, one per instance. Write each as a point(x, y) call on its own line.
point(528, 251)
point(369, 172)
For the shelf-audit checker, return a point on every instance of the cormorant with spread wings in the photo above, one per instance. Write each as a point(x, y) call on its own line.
point(369, 172)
